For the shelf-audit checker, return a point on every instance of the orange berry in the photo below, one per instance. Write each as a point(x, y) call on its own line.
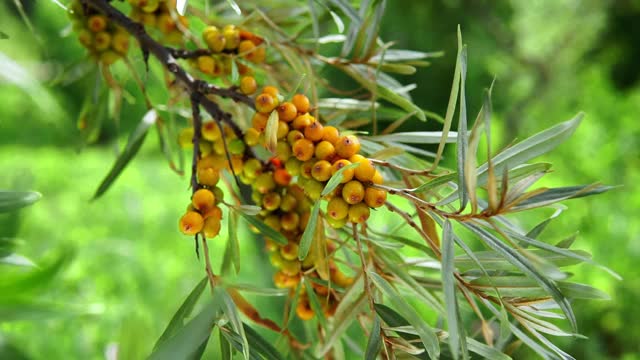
point(258, 55)
point(203, 199)
point(246, 49)
point(271, 90)
point(265, 103)
point(214, 212)
point(191, 223)
point(248, 85)
point(211, 227)
point(287, 111)
point(375, 197)
point(206, 64)
point(304, 310)
point(282, 177)
point(259, 121)
point(301, 102)
point(208, 176)
point(353, 192)
point(347, 175)
point(330, 134)
point(365, 171)
point(303, 149)
point(313, 132)
point(337, 208)
point(321, 170)
point(359, 213)
point(97, 23)
point(347, 146)
point(325, 150)
point(303, 121)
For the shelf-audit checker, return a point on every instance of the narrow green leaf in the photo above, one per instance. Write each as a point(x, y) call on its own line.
point(136, 139)
point(294, 304)
point(415, 137)
point(533, 146)
point(336, 179)
point(449, 290)
point(553, 195)
point(402, 69)
point(395, 320)
point(338, 21)
point(307, 236)
point(177, 320)
point(522, 263)
point(188, 339)
point(234, 6)
point(260, 345)
point(462, 141)
point(29, 309)
point(13, 200)
point(492, 260)
point(426, 333)
point(345, 104)
point(486, 351)
point(374, 344)
point(383, 92)
point(520, 286)
point(231, 311)
point(264, 229)
point(235, 75)
point(233, 243)
point(248, 288)
point(406, 55)
point(348, 10)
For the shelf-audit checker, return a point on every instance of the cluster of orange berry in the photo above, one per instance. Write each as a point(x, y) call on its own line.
point(105, 41)
point(203, 214)
point(161, 15)
point(226, 44)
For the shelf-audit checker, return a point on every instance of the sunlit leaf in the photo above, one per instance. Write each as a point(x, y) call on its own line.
point(338, 21)
point(553, 195)
point(231, 311)
point(309, 231)
point(405, 55)
point(13, 200)
point(449, 289)
point(416, 137)
point(234, 6)
point(136, 139)
point(426, 333)
point(16, 260)
point(461, 142)
point(520, 286)
point(345, 104)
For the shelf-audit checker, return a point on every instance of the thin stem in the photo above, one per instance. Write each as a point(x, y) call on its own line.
point(365, 277)
point(210, 275)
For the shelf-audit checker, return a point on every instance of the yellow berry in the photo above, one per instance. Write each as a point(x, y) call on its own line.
point(330, 134)
point(289, 251)
point(377, 178)
point(304, 310)
point(97, 23)
point(359, 213)
point(293, 136)
point(375, 197)
point(232, 37)
point(321, 170)
point(265, 103)
point(283, 130)
point(353, 192)
point(325, 150)
point(109, 57)
point(248, 85)
point(337, 208)
point(208, 176)
point(303, 149)
point(302, 121)
point(203, 199)
point(259, 121)
point(120, 42)
point(271, 201)
point(365, 171)
point(347, 175)
point(252, 136)
point(211, 227)
point(264, 183)
point(191, 223)
point(214, 39)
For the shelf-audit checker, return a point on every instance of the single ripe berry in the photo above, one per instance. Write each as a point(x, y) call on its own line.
point(150, 6)
point(85, 37)
point(287, 111)
point(97, 23)
point(365, 171)
point(120, 42)
point(273, 221)
point(203, 199)
point(191, 223)
point(288, 203)
point(321, 170)
point(305, 169)
point(206, 64)
point(337, 208)
point(208, 176)
point(283, 130)
point(353, 192)
point(232, 37)
point(347, 146)
point(339, 278)
point(325, 150)
point(246, 49)
point(271, 90)
point(304, 310)
point(330, 134)
point(289, 251)
point(282, 177)
point(302, 121)
point(359, 213)
point(375, 197)
point(211, 227)
point(259, 121)
point(214, 212)
point(313, 189)
point(214, 39)
point(252, 168)
point(248, 85)
point(301, 103)
point(303, 149)
point(313, 132)
point(211, 131)
point(165, 24)
point(347, 174)
point(292, 165)
point(265, 103)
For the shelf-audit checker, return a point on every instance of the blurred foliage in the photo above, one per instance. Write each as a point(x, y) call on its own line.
point(122, 269)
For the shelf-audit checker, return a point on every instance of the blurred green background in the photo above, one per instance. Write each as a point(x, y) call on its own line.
point(121, 268)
